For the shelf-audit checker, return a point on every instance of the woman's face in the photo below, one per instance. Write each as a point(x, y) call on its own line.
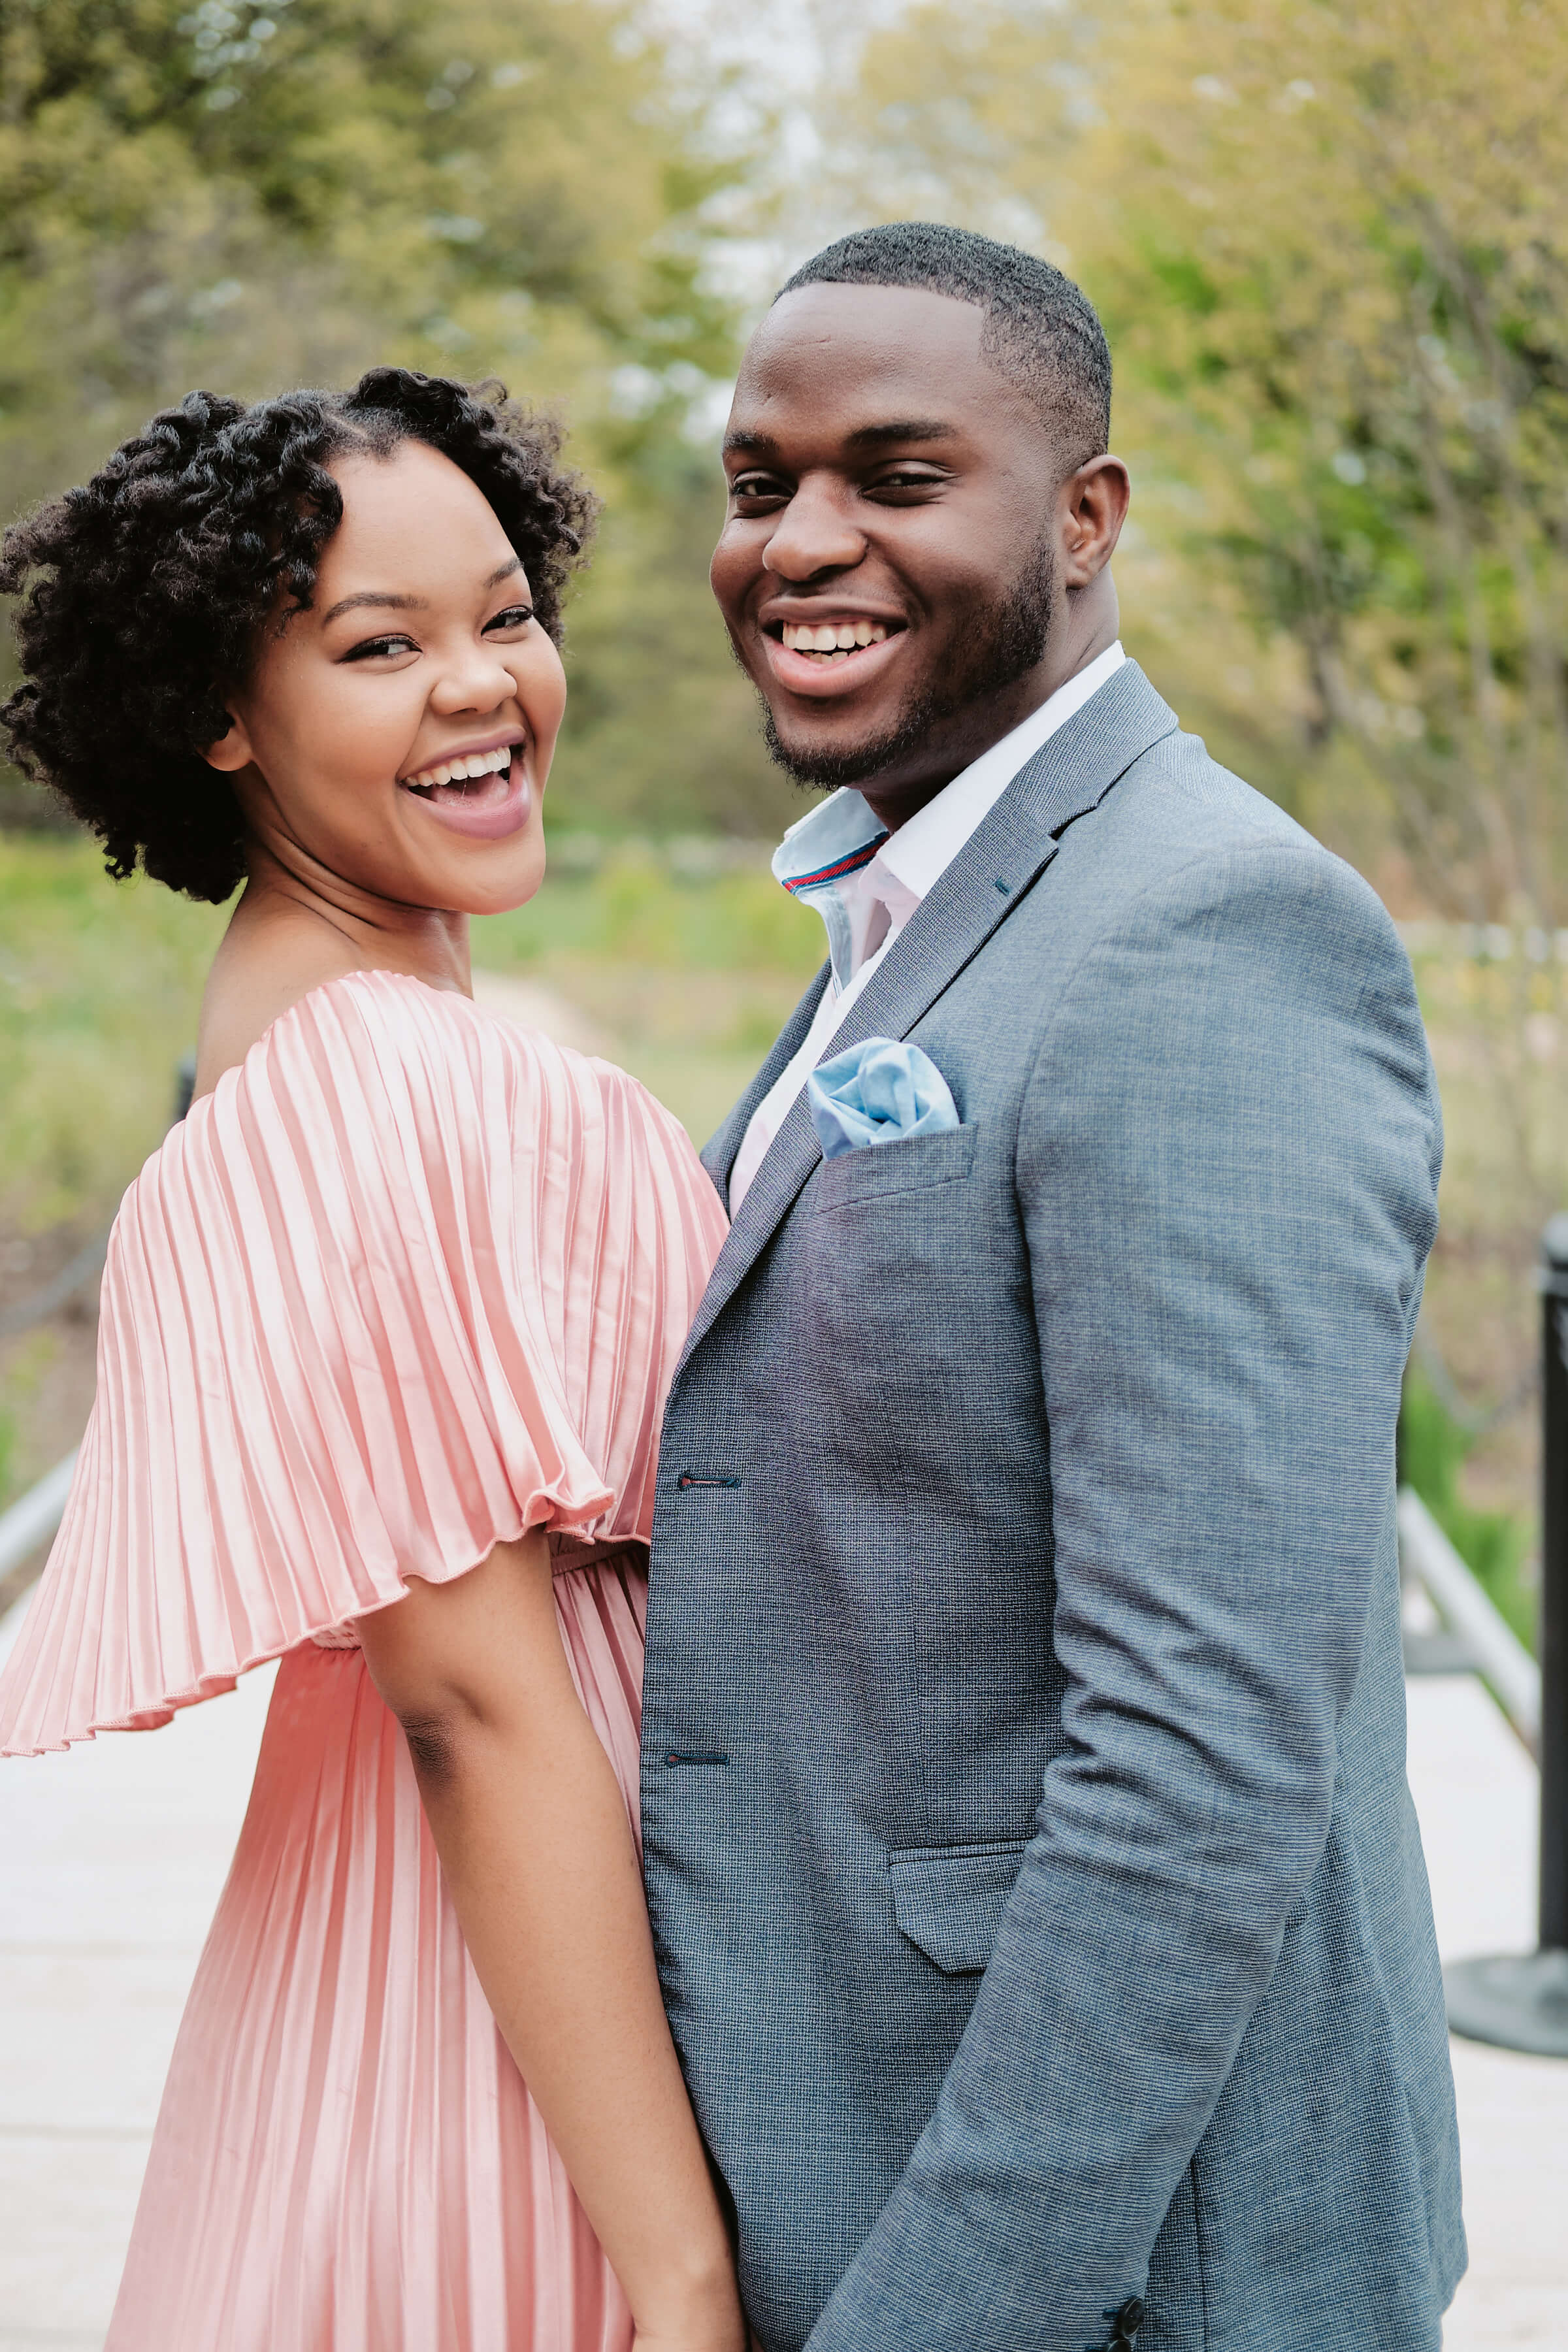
point(399, 732)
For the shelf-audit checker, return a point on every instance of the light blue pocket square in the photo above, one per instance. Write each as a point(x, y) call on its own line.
point(880, 1091)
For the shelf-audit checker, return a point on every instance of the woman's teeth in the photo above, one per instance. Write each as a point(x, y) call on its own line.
point(462, 771)
point(834, 639)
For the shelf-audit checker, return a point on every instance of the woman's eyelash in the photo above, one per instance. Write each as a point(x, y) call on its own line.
point(515, 616)
point(373, 646)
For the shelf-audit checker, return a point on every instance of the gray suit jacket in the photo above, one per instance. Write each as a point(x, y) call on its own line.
point(1037, 1895)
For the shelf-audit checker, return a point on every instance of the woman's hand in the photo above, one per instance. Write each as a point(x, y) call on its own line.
point(697, 2312)
point(701, 2336)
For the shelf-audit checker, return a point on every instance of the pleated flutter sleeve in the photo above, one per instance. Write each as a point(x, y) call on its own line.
point(408, 1283)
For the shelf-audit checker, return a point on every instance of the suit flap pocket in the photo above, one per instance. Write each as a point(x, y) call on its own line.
point(949, 1899)
point(908, 1166)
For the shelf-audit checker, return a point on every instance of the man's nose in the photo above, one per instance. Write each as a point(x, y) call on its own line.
point(816, 533)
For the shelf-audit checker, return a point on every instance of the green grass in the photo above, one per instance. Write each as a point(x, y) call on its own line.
point(686, 981)
point(99, 991)
point(1494, 1545)
point(635, 910)
point(1498, 1031)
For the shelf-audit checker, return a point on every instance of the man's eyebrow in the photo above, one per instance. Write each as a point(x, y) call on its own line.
point(903, 428)
point(391, 602)
point(865, 436)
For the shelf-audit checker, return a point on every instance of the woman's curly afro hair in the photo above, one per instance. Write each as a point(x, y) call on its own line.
point(145, 592)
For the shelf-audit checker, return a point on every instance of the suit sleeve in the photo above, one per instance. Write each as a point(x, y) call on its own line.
point(1226, 1169)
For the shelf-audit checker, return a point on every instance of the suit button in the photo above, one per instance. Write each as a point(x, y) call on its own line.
point(1128, 2320)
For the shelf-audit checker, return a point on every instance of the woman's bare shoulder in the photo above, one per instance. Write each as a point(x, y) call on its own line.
point(259, 972)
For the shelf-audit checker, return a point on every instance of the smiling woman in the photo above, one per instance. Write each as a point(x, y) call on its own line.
point(388, 748)
point(387, 1323)
point(188, 564)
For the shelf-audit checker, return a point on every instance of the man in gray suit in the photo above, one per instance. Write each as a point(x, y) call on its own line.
point(1037, 1895)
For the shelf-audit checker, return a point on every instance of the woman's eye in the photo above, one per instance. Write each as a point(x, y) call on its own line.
point(370, 648)
point(516, 616)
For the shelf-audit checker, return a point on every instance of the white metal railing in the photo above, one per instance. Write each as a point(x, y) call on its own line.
point(33, 1520)
point(1498, 1654)
point(1485, 942)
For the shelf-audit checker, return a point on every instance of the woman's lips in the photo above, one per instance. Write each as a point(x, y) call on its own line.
point(486, 808)
point(822, 681)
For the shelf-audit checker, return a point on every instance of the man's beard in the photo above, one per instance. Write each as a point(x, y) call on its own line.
point(1007, 640)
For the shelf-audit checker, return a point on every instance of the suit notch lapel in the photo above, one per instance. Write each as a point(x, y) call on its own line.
point(719, 1153)
point(950, 925)
point(1008, 851)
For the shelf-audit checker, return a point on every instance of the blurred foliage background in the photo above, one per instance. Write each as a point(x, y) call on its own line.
point(247, 196)
point(1330, 245)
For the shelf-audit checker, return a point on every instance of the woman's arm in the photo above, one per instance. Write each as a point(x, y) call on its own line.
point(532, 1833)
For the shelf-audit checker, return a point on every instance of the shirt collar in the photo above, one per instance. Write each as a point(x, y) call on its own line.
point(842, 837)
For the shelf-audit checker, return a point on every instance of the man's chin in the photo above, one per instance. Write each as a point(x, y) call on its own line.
point(825, 764)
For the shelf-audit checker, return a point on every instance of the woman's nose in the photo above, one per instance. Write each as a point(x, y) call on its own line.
point(814, 534)
point(475, 678)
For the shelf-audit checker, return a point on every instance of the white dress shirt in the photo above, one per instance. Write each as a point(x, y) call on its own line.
point(866, 883)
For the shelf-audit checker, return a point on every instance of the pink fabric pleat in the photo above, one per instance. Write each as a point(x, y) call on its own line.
point(408, 1283)
point(346, 2159)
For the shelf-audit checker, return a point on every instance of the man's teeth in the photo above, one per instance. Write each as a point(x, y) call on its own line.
point(831, 636)
point(456, 772)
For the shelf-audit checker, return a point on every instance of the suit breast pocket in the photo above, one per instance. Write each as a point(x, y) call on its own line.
point(914, 1368)
point(881, 1169)
point(949, 1899)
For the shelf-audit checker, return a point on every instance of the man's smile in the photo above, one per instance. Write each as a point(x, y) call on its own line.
point(831, 650)
point(832, 638)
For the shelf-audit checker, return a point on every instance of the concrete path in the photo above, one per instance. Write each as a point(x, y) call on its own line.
point(533, 1006)
point(113, 1856)
point(1476, 1792)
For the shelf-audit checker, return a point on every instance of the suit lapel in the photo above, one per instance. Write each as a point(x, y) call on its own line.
point(719, 1151)
point(1069, 774)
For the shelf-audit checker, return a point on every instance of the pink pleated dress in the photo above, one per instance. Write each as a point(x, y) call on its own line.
point(410, 1282)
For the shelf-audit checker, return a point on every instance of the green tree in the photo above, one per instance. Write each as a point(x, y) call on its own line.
point(251, 192)
point(1330, 246)
point(1356, 215)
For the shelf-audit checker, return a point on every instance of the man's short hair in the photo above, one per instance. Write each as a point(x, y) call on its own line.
point(1041, 332)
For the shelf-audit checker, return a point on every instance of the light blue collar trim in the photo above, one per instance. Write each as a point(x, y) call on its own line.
point(838, 838)
point(816, 854)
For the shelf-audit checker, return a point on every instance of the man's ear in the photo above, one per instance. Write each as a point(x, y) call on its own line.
point(1094, 506)
point(231, 751)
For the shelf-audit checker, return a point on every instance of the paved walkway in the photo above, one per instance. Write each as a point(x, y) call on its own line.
point(113, 1857)
point(115, 1853)
point(1476, 1793)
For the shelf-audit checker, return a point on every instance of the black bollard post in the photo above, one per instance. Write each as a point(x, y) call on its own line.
point(1520, 2000)
point(1554, 1590)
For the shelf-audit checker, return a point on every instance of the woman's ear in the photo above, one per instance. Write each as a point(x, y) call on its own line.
point(231, 751)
